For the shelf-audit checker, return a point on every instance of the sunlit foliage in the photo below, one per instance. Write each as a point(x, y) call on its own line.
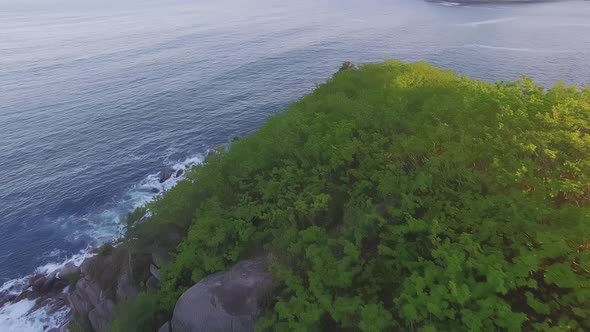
point(400, 197)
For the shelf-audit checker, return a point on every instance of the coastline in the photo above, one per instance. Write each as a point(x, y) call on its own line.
point(484, 2)
point(486, 50)
point(39, 300)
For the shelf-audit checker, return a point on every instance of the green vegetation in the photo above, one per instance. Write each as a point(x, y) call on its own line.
point(396, 197)
point(105, 249)
point(142, 313)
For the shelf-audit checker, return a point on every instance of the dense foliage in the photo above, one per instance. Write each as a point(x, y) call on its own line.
point(399, 197)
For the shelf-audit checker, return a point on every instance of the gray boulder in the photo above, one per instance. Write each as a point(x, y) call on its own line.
point(166, 174)
point(105, 281)
point(126, 288)
point(53, 284)
point(44, 285)
point(154, 271)
point(37, 282)
point(102, 315)
point(69, 272)
point(165, 328)
point(90, 304)
point(225, 301)
point(152, 284)
point(85, 266)
point(84, 297)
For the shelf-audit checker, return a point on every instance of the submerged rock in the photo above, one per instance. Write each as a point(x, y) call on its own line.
point(225, 301)
point(179, 173)
point(6, 298)
point(165, 175)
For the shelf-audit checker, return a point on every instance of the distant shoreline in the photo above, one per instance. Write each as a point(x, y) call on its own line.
point(464, 2)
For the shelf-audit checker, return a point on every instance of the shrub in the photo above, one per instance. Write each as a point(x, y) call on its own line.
point(401, 197)
point(142, 313)
point(105, 249)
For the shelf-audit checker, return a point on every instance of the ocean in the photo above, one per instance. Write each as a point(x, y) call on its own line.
point(98, 98)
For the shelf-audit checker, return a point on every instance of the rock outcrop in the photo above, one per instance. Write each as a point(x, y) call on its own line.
point(69, 272)
point(165, 328)
point(166, 174)
point(90, 304)
point(105, 281)
point(225, 301)
point(155, 272)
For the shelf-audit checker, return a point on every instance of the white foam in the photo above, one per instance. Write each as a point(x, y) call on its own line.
point(77, 259)
point(104, 227)
point(14, 286)
point(55, 253)
point(449, 4)
point(19, 317)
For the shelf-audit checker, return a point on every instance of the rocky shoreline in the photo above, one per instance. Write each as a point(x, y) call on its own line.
point(93, 290)
point(81, 290)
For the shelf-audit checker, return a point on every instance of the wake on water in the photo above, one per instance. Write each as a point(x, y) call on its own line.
point(488, 22)
point(23, 316)
point(517, 49)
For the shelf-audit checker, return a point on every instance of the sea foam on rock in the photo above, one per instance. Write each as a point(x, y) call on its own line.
point(47, 298)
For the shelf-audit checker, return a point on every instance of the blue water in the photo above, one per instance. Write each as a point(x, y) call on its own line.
point(97, 97)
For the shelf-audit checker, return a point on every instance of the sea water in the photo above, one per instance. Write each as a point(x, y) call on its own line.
point(97, 98)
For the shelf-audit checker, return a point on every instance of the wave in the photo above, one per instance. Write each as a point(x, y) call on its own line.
point(572, 25)
point(105, 227)
point(20, 317)
point(449, 4)
point(517, 49)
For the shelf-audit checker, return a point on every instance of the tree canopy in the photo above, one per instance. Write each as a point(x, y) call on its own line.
point(399, 197)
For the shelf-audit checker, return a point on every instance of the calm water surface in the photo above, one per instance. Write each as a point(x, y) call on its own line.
point(98, 97)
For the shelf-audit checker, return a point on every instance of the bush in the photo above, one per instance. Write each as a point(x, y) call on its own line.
point(140, 314)
point(74, 326)
point(105, 249)
point(401, 197)
point(134, 216)
point(346, 65)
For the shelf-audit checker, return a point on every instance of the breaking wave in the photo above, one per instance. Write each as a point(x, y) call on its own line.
point(24, 316)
